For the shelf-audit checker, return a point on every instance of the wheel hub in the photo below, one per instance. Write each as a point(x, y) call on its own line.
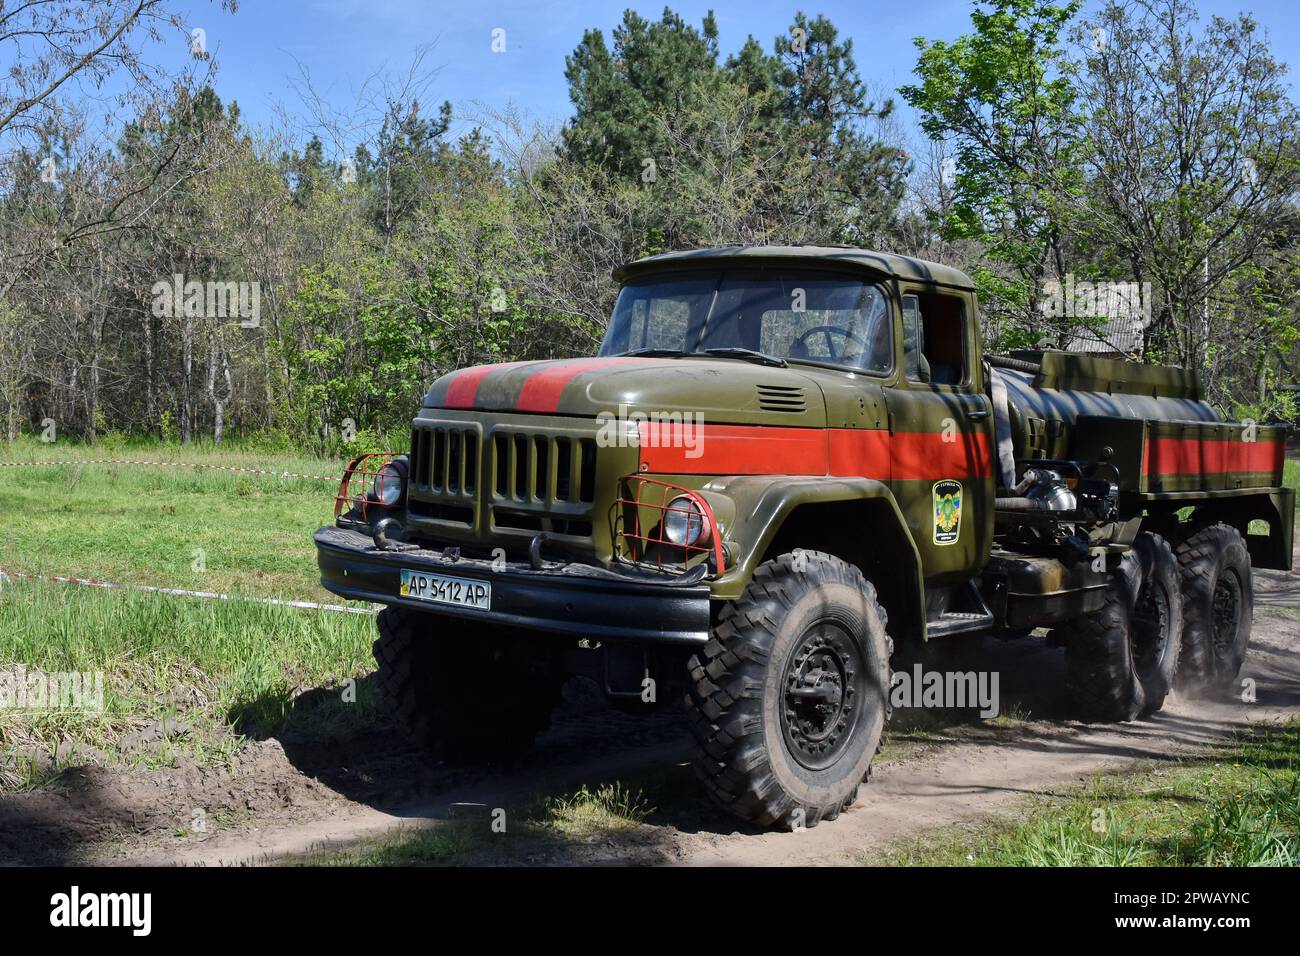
point(820, 704)
point(1150, 626)
point(1227, 610)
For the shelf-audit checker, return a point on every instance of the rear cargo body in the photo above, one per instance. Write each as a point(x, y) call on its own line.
point(1149, 421)
point(1170, 449)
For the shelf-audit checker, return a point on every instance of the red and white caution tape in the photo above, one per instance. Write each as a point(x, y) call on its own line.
point(180, 592)
point(176, 464)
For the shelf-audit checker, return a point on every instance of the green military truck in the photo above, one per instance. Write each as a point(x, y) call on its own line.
point(784, 466)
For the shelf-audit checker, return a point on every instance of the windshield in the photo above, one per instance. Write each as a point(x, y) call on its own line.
point(800, 317)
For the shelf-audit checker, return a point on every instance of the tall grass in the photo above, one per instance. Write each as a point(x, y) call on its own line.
point(207, 672)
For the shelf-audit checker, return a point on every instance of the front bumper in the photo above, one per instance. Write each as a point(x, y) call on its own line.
point(566, 598)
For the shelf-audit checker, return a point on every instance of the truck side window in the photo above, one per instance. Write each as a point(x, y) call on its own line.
point(915, 366)
point(943, 337)
point(934, 338)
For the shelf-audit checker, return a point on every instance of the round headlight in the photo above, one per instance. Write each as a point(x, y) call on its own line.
point(388, 484)
point(684, 522)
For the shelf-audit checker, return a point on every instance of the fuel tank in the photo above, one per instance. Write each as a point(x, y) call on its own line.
point(1044, 406)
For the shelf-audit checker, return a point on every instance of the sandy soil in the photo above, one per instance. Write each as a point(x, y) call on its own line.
point(287, 797)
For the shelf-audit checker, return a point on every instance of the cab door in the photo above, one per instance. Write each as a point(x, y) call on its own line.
point(941, 433)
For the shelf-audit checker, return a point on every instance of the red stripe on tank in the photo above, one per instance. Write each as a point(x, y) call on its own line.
point(1197, 456)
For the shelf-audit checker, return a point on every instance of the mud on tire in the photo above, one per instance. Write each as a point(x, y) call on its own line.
point(1217, 607)
point(465, 693)
point(789, 698)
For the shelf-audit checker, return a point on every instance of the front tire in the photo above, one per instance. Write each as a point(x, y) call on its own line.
point(466, 694)
point(789, 698)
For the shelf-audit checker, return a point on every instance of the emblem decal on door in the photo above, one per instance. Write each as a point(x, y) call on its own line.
point(947, 511)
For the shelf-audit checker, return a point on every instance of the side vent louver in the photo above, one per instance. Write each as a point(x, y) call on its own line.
point(781, 398)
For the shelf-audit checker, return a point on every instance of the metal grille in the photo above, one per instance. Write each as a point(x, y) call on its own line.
point(530, 481)
point(445, 460)
point(530, 468)
point(644, 505)
point(444, 478)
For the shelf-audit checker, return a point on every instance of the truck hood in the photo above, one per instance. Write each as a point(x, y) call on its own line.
point(718, 390)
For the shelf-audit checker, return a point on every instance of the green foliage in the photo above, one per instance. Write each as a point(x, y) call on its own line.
point(617, 93)
point(414, 252)
point(1002, 98)
point(785, 136)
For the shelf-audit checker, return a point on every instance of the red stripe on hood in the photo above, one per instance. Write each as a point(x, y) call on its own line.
point(463, 388)
point(542, 391)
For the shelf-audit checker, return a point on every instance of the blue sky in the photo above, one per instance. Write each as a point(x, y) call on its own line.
point(342, 42)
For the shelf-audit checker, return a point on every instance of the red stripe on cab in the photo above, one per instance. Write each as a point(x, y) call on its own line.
point(924, 456)
point(839, 452)
point(732, 449)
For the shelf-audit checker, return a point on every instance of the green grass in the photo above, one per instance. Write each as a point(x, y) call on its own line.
point(198, 529)
point(206, 672)
point(1238, 805)
point(1291, 473)
point(610, 808)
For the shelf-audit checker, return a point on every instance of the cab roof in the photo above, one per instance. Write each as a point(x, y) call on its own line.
point(880, 263)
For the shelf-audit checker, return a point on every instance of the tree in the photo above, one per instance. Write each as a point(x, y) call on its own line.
point(1002, 100)
point(1193, 160)
point(823, 99)
point(617, 94)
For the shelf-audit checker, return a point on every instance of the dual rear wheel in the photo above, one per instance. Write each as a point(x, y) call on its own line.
point(1218, 604)
point(1173, 615)
point(1122, 657)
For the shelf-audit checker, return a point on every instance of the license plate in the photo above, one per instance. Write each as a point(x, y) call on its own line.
point(441, 589)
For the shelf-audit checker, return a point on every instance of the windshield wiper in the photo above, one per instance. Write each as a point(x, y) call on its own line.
point(749, 355)
point(653, 353)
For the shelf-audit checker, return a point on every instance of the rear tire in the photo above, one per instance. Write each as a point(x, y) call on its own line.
point(466, 695)
point(788, 700)
point(1101, 680)
point(1217, 607)
point(1156, 616)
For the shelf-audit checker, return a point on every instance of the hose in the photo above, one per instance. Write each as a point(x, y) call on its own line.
point(1021, 504)
point(1015, 364)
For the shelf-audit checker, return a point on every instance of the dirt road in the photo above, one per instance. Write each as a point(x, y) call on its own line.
point(286, 798)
